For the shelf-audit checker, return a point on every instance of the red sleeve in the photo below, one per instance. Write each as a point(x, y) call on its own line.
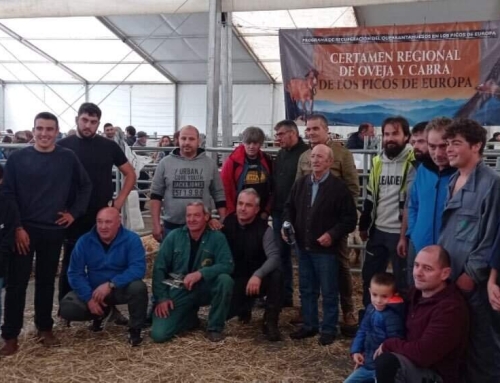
point(227, 177)
point(444, 333)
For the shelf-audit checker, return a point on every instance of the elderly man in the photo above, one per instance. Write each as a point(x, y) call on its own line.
point(191, 270)
point(344, 168)
point(184, 176)
point(248, 167)
point(436, 327)
point(322, 210)
point(106, 269)
point(256, 263)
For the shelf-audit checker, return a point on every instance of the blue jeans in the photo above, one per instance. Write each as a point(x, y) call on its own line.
point(361, 375)
point(319, 272)
point(286, 258)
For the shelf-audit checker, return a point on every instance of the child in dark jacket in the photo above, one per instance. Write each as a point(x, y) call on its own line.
point(383, 319)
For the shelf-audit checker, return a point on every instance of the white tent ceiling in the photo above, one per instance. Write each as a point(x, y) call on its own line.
point(172, 47)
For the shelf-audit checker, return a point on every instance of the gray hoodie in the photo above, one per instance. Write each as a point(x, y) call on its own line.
point(181, 181)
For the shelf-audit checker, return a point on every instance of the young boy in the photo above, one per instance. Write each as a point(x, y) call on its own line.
point(8, 223)
point(383, 319)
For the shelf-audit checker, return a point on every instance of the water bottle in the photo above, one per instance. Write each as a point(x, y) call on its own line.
point(289, 233)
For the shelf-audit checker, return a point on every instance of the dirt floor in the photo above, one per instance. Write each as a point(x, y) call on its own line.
point(244, 356)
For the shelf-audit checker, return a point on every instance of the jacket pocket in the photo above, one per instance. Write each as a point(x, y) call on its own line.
point(467, 226)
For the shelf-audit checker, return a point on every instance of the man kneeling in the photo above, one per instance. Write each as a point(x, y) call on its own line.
point(106, 269)
point(191, 270)
point(256, 263)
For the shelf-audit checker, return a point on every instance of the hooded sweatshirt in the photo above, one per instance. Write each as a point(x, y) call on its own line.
point(179, 181)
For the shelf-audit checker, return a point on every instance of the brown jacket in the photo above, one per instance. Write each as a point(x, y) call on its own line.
point(342, 167)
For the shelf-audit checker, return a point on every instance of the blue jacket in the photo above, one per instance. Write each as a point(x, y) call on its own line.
point(427, 199)
point(91, 265)
point(376, 327)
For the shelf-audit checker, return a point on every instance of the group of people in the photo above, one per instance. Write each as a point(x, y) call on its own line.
point(430, 211)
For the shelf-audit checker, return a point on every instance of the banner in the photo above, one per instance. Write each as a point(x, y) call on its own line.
point(356, 75)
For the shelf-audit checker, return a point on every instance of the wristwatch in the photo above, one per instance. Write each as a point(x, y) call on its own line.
point(111, 285)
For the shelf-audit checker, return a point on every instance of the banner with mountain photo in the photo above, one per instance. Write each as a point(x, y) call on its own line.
point(356, 75)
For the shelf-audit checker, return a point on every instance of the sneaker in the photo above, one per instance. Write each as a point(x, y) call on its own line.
point(214, 336)
point(100, 323)
point(302, 333)
point(118, 317)
point(134, 337)
point(326, 339)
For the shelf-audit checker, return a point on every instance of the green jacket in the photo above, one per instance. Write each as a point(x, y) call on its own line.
point(367, 218)
point(212, 259)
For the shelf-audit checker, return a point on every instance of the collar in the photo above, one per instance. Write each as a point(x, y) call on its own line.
point(322, 179)
point(470, 185)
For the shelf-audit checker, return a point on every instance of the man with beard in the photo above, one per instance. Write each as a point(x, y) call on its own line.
point(428, 193)
point(380, 221)
point(98, 155)
point(343, 167)
point(184, 176)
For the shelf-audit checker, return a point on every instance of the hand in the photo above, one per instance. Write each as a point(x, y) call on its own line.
point(359, 359)
point(95, 307)
point(118, 203)
point(494, 295)
point(65, 220)
point(378, 352)
point(158, 232)
point(402, 247)
point(22, 241)
point(363, 235)
point(325, 240)
point(191, 279)
point(465, 283)
point(101, 292)
point(283, 236)
point(253, 286)
point(215, 224)
point(264, 216)
point(162, 309)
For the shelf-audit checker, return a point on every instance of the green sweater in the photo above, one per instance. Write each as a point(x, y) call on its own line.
point(212, 259)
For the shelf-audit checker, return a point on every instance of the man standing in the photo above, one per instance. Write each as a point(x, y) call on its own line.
point(109, 131)
point(42, 179)
point(469, 228)
point(437, 325)
point(322, 210)
point(284, 171)
point(98, 155)
point(356, 141)
point(200, 260)
point(380, 221)
point(343, 167)
point(106, 269)
point(130, 133)
point(427, 196)
point(184, 176)
point(256, 263)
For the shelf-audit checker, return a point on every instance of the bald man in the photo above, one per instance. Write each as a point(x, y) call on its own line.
point(106, 269)
point(322, 210)
point(184, 176)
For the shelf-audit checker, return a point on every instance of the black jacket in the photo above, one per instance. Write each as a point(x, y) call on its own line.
point(333, 211)
point(9, 220)
point(355, 142)
point(284, 172)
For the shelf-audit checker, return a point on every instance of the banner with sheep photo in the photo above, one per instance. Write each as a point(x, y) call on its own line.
point(356, 75)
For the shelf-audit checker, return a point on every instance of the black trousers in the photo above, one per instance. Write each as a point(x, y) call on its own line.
point(81, 226)
point(46, 245)
point(135, 295)
point(271, 286)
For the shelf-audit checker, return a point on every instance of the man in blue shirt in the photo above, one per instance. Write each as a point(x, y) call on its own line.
point(106, 269)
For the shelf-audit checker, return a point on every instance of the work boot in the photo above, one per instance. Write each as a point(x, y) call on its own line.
point(48, 339)
point(10, 347)
point(270, 325)
point(99, 323)
point(214, 336)
point(134, 337)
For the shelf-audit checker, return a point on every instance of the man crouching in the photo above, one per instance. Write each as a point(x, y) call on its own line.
point(192, 269)
point(107, 266)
